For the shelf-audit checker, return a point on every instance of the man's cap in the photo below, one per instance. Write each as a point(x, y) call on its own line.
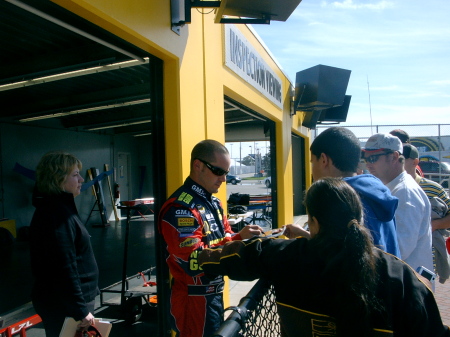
point(410, 151)
point(401, 134)
point(383, 141)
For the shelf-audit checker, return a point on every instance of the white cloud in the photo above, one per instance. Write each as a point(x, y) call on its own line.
point(383, 114)
point(402, 48)
point(387, 88)
point(349, 4)
point(440, 82)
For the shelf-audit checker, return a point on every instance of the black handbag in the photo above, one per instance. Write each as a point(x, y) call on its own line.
point(239, 199)
point(237, 210)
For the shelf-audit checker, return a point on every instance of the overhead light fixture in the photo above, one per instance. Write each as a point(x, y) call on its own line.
point(231, 109)
point(240, 121)
point(80, 111)
point(71, 74)
point(143, 134)
point(73, 29)
point(119, 125)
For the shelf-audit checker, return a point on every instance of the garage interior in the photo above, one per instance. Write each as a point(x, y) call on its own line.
point(63, 77)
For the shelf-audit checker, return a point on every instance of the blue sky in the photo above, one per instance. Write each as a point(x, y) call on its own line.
point(401, 48)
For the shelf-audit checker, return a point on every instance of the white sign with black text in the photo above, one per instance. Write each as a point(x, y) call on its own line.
point(243, 59)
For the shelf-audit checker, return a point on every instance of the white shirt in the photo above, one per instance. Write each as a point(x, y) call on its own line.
point(413, 221)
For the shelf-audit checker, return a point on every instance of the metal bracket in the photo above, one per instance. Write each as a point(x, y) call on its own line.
point(181, 14)
point(181, 11)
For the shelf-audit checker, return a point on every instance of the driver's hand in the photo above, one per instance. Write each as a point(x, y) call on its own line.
point(250, 231)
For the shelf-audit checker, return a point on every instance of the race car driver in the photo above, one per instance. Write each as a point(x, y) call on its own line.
point(190, 220)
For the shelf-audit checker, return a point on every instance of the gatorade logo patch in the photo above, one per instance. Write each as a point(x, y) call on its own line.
point(185, 197)
point(185, 222)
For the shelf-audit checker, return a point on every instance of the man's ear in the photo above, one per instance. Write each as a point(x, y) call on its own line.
point(196, 164)
point(325, 160)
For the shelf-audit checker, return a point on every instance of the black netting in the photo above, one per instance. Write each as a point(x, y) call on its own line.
point(256, 314)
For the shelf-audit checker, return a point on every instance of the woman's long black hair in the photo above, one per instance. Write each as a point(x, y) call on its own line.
point(347, 249)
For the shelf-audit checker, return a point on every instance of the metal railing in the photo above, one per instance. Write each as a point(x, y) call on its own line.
point(255, 316)
point(441, 179)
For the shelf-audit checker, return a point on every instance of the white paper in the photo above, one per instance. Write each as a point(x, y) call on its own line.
point(104, 327)
point(70, 327)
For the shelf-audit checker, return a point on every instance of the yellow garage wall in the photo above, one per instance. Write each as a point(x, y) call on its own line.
point(249, 96)
point(305, 133)
point(195, 81)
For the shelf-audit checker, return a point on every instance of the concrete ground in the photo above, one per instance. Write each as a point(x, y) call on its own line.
point(443, 300)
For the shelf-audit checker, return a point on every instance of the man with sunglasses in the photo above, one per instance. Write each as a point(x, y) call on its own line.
point(190, 220)
point(384, 159)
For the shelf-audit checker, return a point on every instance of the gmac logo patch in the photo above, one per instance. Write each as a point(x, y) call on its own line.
point(198, 190)
point(183, 212)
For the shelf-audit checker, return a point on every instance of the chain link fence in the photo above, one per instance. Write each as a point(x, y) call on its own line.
point(255, 316)
point(428, 138)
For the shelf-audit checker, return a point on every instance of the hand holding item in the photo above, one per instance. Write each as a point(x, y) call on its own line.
point(87, 321)
point(274, 233)
point(250, 231)
point(294, 230)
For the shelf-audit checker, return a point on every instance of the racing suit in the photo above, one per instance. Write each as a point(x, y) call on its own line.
point(190, 220)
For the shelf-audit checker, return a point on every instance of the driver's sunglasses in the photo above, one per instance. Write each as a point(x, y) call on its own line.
point(374, 158)
point(214, 169)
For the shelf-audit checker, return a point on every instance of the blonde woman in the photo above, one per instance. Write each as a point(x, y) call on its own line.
point(62, 260)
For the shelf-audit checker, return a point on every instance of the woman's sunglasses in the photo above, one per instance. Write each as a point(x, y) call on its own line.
point(214, 169)
point(374, 158)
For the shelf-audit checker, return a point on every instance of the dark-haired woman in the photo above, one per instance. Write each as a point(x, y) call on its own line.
point(336, 283)
point(62, 260)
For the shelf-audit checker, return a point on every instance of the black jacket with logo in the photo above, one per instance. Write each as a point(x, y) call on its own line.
point(305, 298)
point(62, 260)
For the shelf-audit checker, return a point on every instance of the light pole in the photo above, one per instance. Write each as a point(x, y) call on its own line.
point(250, 151)
point(256, 159)
point(232, 166)
point(240, 158)
point(231, 154)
